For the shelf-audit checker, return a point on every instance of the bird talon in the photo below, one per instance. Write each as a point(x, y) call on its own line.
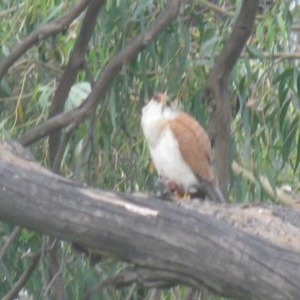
point(178, 195)
point(186, 196)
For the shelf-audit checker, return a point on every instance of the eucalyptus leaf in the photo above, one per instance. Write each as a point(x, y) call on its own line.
point(78, 93)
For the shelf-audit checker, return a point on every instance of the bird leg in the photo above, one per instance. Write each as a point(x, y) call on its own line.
point(169, 189)
point(163, 190)
point(177, 191)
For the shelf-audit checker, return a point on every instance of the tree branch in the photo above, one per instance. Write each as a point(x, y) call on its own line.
point(42, 33)
point(9, 241)
point(216, 8)
point(169, 242)
point(13, 293)
point(280, 194)
point(106, 77)
point(218, 92)
point(69, 76)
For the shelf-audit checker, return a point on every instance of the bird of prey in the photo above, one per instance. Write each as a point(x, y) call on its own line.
point(180, 149)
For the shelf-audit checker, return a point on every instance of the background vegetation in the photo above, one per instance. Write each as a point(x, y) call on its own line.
point(265, 97)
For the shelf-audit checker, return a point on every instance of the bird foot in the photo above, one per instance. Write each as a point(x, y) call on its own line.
point(181, 196)
point(169, 189)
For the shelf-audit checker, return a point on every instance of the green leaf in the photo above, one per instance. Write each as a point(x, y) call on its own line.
point(290, 138)
point(283, 114)
point(272, 178)
point(5, 50)
point(298, 89)
point(78, 93)
point(282, 25)
point(298, 155)
point(208, 46)
point(254, 51)
point(45, 92)
point(284, 76)
point(112, 108)
point(5, 87)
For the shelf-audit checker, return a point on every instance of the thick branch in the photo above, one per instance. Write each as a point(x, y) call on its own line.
point(218, 89)
point(177, 242)
point(106, 77)
point(55, 123)
point(40, 34)
point(75, 62)
point(233, 47)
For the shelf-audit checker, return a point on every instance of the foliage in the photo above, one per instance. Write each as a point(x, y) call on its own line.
point(266, 123)
point(265, 100)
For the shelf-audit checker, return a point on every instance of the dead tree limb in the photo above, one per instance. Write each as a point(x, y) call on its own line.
point(165, 241)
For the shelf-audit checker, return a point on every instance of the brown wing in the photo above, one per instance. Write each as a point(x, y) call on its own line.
point(194, 145)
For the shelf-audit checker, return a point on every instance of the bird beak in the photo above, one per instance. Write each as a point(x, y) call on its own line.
point(161, 98)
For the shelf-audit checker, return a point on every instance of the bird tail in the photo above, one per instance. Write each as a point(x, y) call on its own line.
point(213, 192)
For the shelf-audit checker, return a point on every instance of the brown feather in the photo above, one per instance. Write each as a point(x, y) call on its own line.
point(194, 146)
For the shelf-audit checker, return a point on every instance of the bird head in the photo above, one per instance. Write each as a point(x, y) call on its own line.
point(153, 116)
point(156, 105)
point(159, 107)
point(161, 98)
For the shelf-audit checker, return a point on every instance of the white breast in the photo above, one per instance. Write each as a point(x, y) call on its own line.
point(163, 146)
point(169, 162)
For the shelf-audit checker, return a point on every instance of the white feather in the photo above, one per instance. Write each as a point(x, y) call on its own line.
point(164, 148)
point(169, 163)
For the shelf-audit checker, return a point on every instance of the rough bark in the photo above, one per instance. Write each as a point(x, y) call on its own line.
point(218, 88)
point(167, 242)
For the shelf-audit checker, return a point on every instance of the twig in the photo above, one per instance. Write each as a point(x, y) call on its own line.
point(11, 10)
point(131, 291)
point(89, 136)
point(190, 294)
point(43, 32)
point(216, 8)
point(110, 282)
point(87, 140)
point(135, 275)
point(278, 55)
point(105, 79)
point(56, 282)
point(9, 241)
point(155, 294)
point(62, 147)
point(89, 73)
point(50, 284)
point(13, 293)
point(44, 249)
point(278, 194)
point(28, 70)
